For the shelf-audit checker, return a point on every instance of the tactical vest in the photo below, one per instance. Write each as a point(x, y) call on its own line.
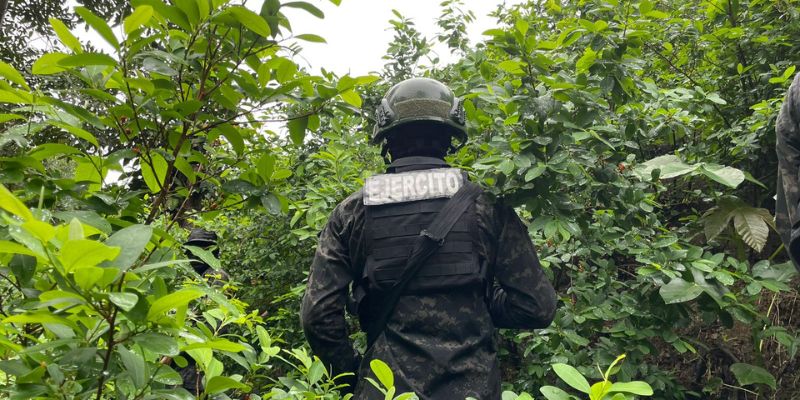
point(391, 229)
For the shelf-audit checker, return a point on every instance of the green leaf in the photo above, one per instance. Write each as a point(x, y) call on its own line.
point(679, 291)
point(65, 36)
point(636, 387)
point(250, 20)
point(83, 252)
point(171, 301)
point(382, 372)
point(7, 247)
point(158, 343)
point(140, 16)
point(309, 37)
point(39, 318)
point(585, 61)
point(219, 384)
point(206, 256)
point(554, 393)
point(49, 64)
point(316, 372)
point(132, 241)
point(512, 67)
point(90, 218)
point(571, 377)
point(297, 129)
point(234, 137)
point(12, 75)
point(87, 59)
point(99, 25)
point(86, 277)
point(728, 176)
point(11, 203)
point(134, 366)
point(77, 132)
point(9, 117)
point(352, 98)
point(123, 300)
point(310, 8)
point(155, 172)
point(216, 344)
point(265, 166)
point(747, 374)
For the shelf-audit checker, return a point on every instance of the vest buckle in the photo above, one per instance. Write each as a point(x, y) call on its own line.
point(439, 240)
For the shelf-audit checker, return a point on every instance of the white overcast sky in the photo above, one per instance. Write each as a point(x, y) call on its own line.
point(357, 31)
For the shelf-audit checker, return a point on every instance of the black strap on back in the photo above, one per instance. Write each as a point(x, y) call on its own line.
point(428, 241)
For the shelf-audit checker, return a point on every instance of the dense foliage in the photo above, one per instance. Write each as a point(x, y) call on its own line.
point(635, 139)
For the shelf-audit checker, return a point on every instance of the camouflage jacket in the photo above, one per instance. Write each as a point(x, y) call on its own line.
point(787, 145)
point(521, 297)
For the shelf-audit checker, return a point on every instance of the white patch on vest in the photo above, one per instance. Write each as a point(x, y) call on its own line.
point(412, 186)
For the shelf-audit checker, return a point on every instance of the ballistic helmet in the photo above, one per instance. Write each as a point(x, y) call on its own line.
point(419, 100)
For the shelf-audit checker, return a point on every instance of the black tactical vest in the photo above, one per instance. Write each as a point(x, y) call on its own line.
point(391, 230)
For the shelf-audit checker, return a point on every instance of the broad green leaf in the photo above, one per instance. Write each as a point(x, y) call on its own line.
point(65, 36)
point(185, 168)
point(599, 390)
point(77, 132)
point(310, 8)
point(154, 171)
point(216, 344)
point(571, 377)
point(87, 59)
point(308, 37)
point(250, 20)
point(11, 203)
point(727, 176)
point(219, 384)
point(554, 393)
point(585, 61)
point(7, 247)
point(134, 366)
point(715, 221)
point(90, 218)
point(82, 253)
point(9, 117)
point(233, 135)
point(86, 277)
point(140, 16)
point(679, 291)
point(265, 166)
point(297, 129)
point(39, 318)
point(315, 372)
point(747, 374)
point(132, 241)
point(171, 301)
point(99, 25)
point(158, 343)
point(123, 300)
point(382, 372)
point(352, 98)
point(12, 75)
point(206, 256)
point(512, 67)
point(636, 387)
point(49, 64)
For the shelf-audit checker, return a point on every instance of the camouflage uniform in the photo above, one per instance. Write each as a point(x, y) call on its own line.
point(440, 345)
point(787, 145)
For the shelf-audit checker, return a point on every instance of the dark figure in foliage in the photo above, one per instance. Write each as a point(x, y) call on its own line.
point(787, 209)
point(431, 318)
point(206, 240)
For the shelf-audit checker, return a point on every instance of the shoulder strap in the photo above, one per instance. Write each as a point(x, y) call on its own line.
point(428, 241)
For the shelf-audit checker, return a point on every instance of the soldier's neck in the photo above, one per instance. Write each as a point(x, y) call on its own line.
point(415, 163)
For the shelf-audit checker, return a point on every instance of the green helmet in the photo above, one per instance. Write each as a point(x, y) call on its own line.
point(419, 99)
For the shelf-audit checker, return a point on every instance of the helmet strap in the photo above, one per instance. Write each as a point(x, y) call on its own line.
point(384, 152)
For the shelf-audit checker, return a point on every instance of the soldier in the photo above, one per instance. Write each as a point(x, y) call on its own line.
point(439, 337)
point(787, 145)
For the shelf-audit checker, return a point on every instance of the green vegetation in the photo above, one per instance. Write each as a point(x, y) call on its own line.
point(635, 139)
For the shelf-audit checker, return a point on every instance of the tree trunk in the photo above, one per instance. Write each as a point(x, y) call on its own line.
point(3, 7)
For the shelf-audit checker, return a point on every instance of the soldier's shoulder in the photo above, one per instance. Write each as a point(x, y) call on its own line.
point(351, 203)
